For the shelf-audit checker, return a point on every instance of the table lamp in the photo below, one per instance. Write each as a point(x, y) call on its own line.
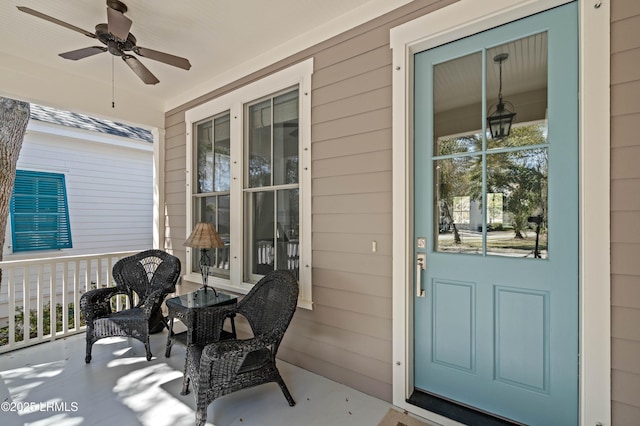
point(204, 237)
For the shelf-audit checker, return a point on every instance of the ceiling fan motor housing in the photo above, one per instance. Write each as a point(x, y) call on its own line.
point(114, 45)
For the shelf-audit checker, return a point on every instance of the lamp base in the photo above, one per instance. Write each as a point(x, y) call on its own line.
point(204, 270)
point(206, 288)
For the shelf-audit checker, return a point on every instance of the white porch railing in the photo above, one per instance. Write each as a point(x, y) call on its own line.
point(40, 298)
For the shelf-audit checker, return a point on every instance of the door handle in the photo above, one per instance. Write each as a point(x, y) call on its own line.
point(421, 265)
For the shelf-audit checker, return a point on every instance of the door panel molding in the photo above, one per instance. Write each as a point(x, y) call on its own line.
point(467, 17)
point(518, 314)
point(454, 350)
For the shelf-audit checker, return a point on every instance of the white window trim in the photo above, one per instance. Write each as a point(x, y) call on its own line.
point(300, 75)
point(464, 18)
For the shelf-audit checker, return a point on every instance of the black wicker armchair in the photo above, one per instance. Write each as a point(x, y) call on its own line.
point(227, 366)
point(151, 275)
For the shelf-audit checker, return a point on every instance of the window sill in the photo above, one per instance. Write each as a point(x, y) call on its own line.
point(239, 289)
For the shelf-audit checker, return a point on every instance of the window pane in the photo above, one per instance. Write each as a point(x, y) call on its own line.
point(457, 118)
point(520, 177)
point(524, 85)
point(223, 228)
point(222, 159)
point(458, 183)
point(288, 230)
point(215, 210)
point(285, 138)
point(260, 144)
point(204, 161)
point(262, 233)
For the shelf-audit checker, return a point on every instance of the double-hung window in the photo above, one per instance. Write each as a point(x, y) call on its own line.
point(39, 212)
point(249, 174)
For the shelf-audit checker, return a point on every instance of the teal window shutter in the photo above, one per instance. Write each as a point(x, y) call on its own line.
point(39, 212)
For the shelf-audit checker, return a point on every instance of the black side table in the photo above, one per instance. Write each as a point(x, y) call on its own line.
point(203, 314)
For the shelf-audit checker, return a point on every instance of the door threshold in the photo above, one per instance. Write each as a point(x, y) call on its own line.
point(456, 411)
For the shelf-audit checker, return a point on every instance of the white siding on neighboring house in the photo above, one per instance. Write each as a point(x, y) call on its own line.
point(109, 188)
point(109, 183)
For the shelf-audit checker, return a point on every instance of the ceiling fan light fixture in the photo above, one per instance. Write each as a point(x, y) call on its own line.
point(500, 116)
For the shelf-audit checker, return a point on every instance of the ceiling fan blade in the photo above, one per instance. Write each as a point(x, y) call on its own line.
point(140, 70)
point(166, 58)
point(74, 55)
point(119, 25)
point(54, 20)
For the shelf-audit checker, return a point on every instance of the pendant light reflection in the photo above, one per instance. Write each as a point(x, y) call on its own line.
point(500, 115)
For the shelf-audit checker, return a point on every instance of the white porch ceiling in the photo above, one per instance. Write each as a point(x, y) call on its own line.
point(223, 40)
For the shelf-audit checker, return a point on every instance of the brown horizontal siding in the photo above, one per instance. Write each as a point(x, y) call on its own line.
point(370, 162)
point(353, 184)
point(367, 81)
point(372, 141)
point(624, 358)
point(353, 125)
point(337, 372)
point(624, 414)
point(370, 202)
point(625, 212)
point(354, 223)
point(624, 130)
point(352, 282)
point(353, 243)
point(307, 325)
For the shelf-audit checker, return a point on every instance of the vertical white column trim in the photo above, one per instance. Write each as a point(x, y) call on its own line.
point(158, 188)
point(595, 208)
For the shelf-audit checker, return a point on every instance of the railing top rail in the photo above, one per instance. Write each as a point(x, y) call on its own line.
point(22, 262)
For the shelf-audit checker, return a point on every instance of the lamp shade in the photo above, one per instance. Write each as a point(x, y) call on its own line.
point(204, 236)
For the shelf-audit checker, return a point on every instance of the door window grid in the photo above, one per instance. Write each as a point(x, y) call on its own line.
point(472, 165)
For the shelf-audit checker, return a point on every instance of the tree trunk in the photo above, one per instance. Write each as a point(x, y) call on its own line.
point(14, 116)
point(447, 214)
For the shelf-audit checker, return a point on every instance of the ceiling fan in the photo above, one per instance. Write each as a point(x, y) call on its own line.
point(118, 40)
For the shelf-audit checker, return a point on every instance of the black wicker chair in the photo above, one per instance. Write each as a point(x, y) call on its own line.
point(151, 275)
point(227, 366)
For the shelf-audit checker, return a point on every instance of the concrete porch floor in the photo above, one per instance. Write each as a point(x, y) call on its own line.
point(49, 384)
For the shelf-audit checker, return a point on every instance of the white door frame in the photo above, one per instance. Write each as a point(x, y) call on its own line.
point(464, 18)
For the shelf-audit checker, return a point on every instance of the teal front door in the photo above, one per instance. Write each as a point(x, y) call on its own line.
point(496, 220)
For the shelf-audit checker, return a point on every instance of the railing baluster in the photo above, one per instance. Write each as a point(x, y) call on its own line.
point(76, 295)
point(52, 300)
point(26, 305)
point(12, 308)
point(40, 295)
point(24, 279)
point(65, 308)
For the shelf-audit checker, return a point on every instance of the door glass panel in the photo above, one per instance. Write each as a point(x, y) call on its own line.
point(458, 188)
point(524, 85)
point(493, 201)
point(517, 182)
point(457, 113)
